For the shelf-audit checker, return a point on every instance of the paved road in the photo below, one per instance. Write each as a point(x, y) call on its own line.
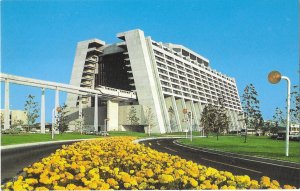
point(13, 160)
point(285, 173)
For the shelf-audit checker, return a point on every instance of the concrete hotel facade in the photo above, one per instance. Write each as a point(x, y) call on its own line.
point(166, 77)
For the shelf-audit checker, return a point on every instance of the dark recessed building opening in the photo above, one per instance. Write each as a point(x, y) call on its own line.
point(112, 72)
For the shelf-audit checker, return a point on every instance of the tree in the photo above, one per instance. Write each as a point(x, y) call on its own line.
point(17, 123)
point(266, 127)
point(61, 119)
point(206, 119)
point(133, 119)
point(149, 119)
point(31, 109)
point(250, 105)
point(214, 119)
point(295, 105)
point(2, 119)
point(278, 119)
point(222, 120)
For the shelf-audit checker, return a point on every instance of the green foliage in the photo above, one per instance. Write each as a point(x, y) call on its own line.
point(295, 104)
point(149, 115)
point(2, 119)
point(214, 119)
point(133, 119)
point(266, 127)
point(279, 119)
point(173, 123)
point(32, 111)
point(62, 119)
point(252, 114)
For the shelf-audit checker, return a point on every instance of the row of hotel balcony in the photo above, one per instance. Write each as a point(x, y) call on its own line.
point(208, 91)
point(206, 78)
point(209, 79)
point(196, 80)
point(198, 85)
point(88, 73)
point(202, 99)
point(162, 56)
point(204, 94)
point(128, 66)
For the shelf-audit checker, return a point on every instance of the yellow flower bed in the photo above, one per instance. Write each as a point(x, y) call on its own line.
point(118, 163)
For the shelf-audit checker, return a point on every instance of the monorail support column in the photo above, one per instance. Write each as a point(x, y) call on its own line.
point(112, 116)
point(43, 111)
point(6, 109)
point(96, 113)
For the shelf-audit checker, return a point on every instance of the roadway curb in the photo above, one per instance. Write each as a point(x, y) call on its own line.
point(245, 157)
point(40, 143)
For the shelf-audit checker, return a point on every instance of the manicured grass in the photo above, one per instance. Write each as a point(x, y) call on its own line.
point(7, 139)
point(255, 146)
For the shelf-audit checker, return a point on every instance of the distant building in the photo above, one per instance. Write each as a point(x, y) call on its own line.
point(16, 117)
point(166, 77)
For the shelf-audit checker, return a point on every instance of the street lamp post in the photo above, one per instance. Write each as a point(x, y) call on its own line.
point(274, 77)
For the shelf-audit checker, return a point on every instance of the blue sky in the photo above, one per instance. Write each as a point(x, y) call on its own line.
point(244, 39)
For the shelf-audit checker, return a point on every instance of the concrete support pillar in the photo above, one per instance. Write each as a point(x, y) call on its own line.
point(185, 123)
point(80, 115)
point(176, 113)
point(96, 113)
point(196, 117)
point(43, 111)
point(112, 115)
point(6, 109)
point(56, 106)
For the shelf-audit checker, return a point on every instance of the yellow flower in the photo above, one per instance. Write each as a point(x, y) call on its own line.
point(41, 188)
point(59, 188)
point(265, 182)
point(71, 187)
point(231, 187)
point(31, 181)
point(127, 185)
point(193, 182)
point(92, 185)
point(104, 186)
point(289, 187)
point(149, 173)
point(112, 182)
point(80, 165)
point(165, 178)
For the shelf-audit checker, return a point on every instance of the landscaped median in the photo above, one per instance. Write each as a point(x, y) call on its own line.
point(118, 163)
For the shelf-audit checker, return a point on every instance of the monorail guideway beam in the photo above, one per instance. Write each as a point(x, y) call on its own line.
point(108, 92)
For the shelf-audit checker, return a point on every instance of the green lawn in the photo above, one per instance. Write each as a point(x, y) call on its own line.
point(7, 139)
point(255, 146)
